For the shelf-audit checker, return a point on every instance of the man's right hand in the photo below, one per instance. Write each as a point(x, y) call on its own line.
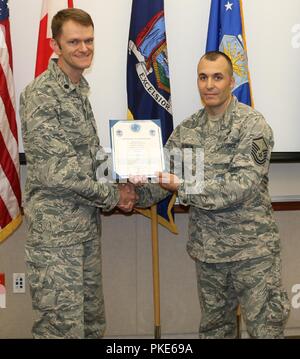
point(128, 197)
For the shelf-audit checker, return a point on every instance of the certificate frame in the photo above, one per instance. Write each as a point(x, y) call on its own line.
point(136, 147)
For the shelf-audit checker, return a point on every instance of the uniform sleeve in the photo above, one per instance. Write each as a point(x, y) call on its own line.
point(53, 158)
point(150, 194)
point(248, 168)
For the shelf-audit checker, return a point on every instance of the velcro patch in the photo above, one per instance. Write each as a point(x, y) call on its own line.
point(259, 150)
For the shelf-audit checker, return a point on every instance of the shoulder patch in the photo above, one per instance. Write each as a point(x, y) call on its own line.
point(259, 150)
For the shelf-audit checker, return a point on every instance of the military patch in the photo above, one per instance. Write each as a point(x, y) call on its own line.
point(259, 150)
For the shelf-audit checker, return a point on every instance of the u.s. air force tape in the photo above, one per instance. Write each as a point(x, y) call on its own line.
point(259, 150)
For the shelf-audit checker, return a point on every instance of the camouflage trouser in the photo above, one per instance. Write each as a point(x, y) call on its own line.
point(255, 284)
point(66, 290)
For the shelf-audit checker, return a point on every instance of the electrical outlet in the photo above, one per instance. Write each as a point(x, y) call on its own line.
point(19, 282)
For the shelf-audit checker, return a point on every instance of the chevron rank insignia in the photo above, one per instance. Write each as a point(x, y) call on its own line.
point(259, 150)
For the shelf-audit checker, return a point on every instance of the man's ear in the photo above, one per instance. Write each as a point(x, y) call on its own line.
point(55, 46)
point(232, 84)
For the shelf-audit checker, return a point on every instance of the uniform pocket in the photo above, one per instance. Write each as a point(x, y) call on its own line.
point(278, 308)
point(39, 268)
point(43, 295)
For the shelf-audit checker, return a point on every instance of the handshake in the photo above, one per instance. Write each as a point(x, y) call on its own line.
point(128, 195)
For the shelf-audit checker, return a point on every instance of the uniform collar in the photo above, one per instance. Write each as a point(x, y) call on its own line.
point(227, 117)
point(230, 112)
point(64, 81)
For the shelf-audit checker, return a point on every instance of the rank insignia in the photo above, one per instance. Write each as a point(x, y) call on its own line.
point(259, 150)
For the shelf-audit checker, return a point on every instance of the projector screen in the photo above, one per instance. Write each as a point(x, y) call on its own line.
point(273, 43)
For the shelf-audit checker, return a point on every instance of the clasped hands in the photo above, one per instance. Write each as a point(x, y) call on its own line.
point(128, 195)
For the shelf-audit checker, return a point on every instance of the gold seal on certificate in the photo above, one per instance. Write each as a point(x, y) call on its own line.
point(136, 147)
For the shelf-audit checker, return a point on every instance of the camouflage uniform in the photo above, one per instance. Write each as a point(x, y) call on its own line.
point(63, 201)
point(232, 233)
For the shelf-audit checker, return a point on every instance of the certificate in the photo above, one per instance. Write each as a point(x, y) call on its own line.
point(136, 147)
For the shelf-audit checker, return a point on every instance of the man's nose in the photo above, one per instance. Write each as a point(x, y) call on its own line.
point(210, 83)
point(82, 46)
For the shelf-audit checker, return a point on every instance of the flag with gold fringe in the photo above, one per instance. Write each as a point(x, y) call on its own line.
point(148, 81)
point(226, 33)
point(10, 191)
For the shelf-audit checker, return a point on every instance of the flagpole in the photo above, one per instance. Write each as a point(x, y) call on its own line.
point(155, 271)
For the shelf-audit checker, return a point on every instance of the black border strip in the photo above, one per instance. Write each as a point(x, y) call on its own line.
point(285, 157)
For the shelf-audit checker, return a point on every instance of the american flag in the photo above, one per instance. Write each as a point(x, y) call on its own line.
point(10, 192)
point(44, 51)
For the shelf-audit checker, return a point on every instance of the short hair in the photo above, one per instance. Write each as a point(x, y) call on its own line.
point(76, 15)
point(214, 55)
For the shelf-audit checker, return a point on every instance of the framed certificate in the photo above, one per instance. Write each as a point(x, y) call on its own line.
point(136, 147)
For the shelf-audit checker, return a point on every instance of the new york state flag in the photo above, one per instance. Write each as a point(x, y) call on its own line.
point(148, 80)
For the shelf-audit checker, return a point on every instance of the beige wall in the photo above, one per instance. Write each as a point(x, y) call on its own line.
point(127, 269)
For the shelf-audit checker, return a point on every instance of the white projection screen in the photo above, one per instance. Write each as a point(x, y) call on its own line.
point(273, 43)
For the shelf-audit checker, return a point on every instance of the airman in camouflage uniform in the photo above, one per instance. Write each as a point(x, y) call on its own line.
point(233, 237)
point(63, 199)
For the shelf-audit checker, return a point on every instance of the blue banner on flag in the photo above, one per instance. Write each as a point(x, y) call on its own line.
point(226, 34)
point(148, 82)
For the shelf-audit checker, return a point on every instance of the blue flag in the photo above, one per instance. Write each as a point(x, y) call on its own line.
point(148, 81)
point(226, 34)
